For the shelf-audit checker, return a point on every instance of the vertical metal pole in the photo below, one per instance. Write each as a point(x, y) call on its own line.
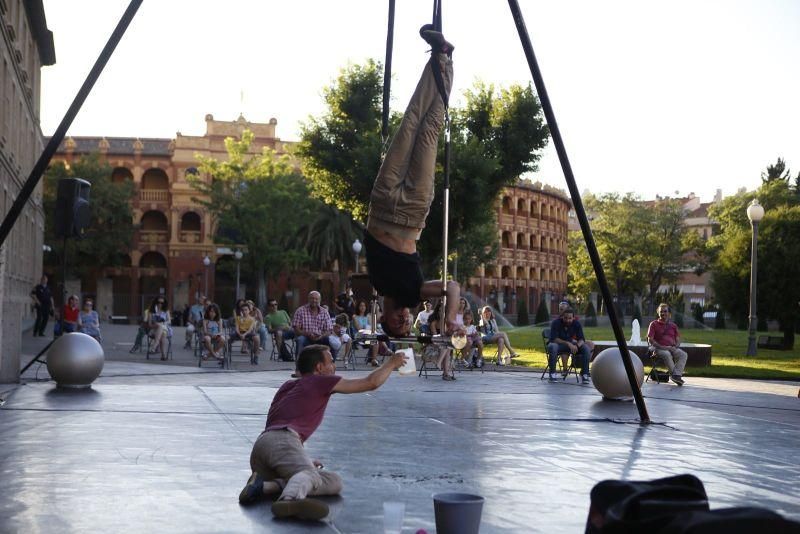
point(387, 75)
point(356, 269)
point(445, 216)
point(206, 282)
point(752, 350)
point(238, 265)
point(579, 209)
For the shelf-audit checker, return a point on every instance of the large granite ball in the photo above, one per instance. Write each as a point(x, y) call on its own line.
point(609, 377)
point(74, 360)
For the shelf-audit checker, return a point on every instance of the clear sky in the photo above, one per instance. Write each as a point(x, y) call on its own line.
point(652, 97)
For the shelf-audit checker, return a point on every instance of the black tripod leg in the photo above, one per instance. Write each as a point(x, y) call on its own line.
point(36, 358)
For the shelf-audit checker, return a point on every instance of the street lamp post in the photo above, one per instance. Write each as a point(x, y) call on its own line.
point(755, 212)
point(357, 250)
point(206, 262)
point(238, 255)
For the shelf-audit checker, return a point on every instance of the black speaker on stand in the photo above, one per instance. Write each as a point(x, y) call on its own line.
point(72, 218)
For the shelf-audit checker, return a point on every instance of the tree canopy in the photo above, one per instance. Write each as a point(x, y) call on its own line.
point(642, 245)
point(496, 137)
point(730, 252)
point(110, 233)
point(258, 201)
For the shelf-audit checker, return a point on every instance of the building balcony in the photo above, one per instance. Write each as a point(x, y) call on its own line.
point(154, 195)
point(153, 237)
point(189, 236)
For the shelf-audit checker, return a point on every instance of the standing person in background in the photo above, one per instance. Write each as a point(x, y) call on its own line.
point(43, 303)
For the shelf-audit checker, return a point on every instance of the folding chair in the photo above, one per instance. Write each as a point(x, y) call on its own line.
point(430, 357)
point(655, 361)
point(248, 345)
point(565, 360)
point(150, 340)
point(275, 354)
point(200, 350)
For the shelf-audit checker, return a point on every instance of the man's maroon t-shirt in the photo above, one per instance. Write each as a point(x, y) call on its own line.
point(300, 404)
point(663, 333)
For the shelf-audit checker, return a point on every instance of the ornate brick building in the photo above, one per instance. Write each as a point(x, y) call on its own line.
point(174, 233)
point(532, 261)
point(26, 45)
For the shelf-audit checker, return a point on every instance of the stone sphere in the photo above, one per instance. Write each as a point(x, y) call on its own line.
point(609, 377)
point(74, 360)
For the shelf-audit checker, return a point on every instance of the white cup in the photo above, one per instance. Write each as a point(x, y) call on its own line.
point(410, 367)
point(393, 513)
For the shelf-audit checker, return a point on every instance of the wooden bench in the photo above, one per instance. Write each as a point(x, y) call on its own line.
point(770, 342)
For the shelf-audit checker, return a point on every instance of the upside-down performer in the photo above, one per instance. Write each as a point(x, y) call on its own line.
point(401, 199)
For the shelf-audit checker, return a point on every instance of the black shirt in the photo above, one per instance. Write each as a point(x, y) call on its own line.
point(393, 274)
point(43, 295)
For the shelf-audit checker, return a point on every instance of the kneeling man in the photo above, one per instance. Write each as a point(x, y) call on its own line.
point(279, 462)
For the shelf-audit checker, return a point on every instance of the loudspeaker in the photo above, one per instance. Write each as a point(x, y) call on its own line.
point(73, 213)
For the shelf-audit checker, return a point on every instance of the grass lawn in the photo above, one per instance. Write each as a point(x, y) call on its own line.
point(728, 348)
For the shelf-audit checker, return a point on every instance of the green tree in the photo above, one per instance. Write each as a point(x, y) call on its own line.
point(775, 172)
point(719, 319)
point(522, 314)
point(642, 245)
point(257, 201)
point(542, 313)
point(779, 269)
point(110, 233)
point(329, 238)
point(591, 315)
point(729, 249)
point(495, 138)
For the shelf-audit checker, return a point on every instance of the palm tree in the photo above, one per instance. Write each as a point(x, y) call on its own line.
point(329, 238)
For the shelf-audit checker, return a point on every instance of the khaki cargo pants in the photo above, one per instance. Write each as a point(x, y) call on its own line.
point(403, 191)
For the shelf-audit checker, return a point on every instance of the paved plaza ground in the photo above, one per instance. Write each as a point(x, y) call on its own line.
point(164, 446)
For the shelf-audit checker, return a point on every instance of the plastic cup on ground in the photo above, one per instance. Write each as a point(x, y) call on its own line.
point(410, 367)
point(457, 513)
point(393, 513)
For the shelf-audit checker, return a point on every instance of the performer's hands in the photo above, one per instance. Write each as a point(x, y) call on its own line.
point(317, 464)
point(453, 328)
point(397, 360)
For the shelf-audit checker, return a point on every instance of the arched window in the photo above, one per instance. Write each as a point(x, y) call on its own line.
point(506, 240)
point(521, 244)
point(506, 205)
point(153, 260)
point(154, 220)
point(505, 272)
point(521, 273)
point(120, 174)
point(190, 222)
point(155, 179)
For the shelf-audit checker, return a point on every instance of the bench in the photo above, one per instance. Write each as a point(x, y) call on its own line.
point(770, 342)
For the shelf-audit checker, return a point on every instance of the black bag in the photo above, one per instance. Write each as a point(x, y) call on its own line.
point(285, 353)
point(673, 505)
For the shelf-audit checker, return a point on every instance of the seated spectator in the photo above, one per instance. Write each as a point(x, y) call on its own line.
point(213, 338)
point(71, 315)
point(566, 336)
point(261, 328)
point(195, 318)
point(344, 303)
point(361, 319)
point(89, 320)
point(312, 324)
point(664, 340)
point(158, 322)
point(245, 331)
point(421, 322)
point(473, 340)
point(278, 323)
point(341, 337)
point(491, 334)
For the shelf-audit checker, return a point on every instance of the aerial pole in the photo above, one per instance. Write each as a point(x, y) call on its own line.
point(575, 195)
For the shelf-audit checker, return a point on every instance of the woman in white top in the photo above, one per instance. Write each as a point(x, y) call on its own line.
point(492, 334)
